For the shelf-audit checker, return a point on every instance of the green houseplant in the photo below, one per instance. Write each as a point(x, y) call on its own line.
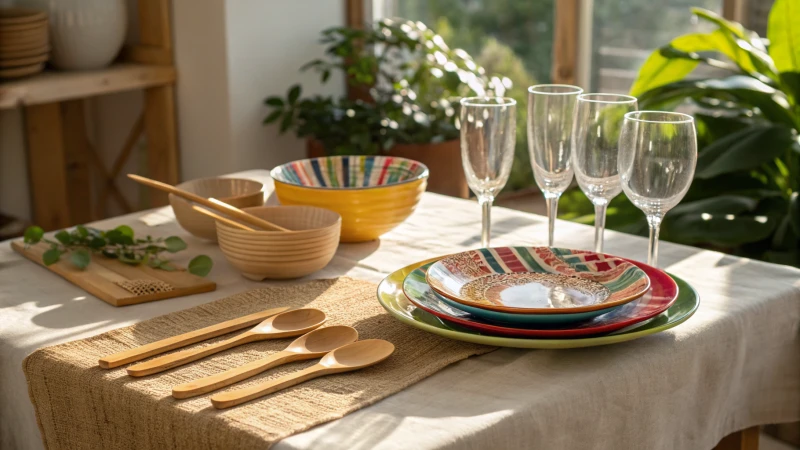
point(405, 83)
point(744, 197)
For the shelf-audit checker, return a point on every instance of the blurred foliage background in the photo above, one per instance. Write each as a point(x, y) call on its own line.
point(746, 209)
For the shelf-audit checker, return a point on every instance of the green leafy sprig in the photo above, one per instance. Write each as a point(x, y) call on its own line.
point(81, 242)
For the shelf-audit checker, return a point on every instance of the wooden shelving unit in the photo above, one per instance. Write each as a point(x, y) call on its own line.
point(61, 157)
point(52, 86)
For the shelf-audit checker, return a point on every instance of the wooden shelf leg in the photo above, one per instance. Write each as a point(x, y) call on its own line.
point(47, 166)
point(162, 139)
point(76, 150)
point(741, 440)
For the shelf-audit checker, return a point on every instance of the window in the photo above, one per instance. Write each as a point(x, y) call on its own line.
point(625, 32)
point(515, 38)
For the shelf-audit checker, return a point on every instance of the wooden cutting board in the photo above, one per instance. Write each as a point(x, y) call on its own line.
point(118, 283)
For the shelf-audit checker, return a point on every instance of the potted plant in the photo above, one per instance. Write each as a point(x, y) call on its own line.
point(404, 84)
point(744, 197)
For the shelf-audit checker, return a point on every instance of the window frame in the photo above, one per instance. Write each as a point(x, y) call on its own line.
point(572, 49)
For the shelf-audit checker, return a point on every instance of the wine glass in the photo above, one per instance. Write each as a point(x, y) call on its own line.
point(550, 111)
point(488, 134)
point(657, 158)
point(595, 145)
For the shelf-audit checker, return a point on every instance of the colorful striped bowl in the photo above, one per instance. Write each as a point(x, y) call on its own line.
point(373, 194)
point(537, 280)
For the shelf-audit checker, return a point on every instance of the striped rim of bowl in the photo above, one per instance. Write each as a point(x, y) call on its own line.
point(350, 172)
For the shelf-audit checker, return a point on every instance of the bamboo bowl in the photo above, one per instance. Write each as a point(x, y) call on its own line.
point(259, 255)
point(237, 192)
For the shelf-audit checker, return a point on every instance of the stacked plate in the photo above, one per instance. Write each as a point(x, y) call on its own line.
point(537, 297)
point(24, 45)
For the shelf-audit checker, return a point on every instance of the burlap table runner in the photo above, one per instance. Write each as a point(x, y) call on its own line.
point(79, 405)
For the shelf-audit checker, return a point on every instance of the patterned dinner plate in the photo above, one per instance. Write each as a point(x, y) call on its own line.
point(662, 294)
point(391, 297)
point(537, 280)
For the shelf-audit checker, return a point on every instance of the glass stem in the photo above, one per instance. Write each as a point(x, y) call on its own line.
point(599, 225)
point(552, 212)
point(486, 220)
point(652, 248)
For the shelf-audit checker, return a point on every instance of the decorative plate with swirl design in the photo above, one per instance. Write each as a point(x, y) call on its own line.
point(537, 280)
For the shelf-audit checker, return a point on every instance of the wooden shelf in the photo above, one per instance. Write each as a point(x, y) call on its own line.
point(51, 86)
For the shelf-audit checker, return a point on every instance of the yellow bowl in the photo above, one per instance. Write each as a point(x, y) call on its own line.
point(373, 194)
point(237, 192)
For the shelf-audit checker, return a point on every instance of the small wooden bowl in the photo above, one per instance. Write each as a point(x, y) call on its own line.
point(276, 250)
point(237, 192)
point(309, 247)
point(308, 237)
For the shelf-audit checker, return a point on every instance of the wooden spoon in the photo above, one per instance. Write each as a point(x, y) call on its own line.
point(182, 340)
point(309, 346)
point(290, 323)
point(344, 359)
point(224, 220)
point(212, 203)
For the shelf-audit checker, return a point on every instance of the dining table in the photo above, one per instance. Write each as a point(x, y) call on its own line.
point(734, 365)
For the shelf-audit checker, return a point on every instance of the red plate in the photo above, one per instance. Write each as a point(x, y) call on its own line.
point(662, 294)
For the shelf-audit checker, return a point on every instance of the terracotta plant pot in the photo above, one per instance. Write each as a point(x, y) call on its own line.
point(443, 161)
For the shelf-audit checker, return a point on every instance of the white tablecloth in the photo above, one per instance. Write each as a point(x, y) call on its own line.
point(733, 365)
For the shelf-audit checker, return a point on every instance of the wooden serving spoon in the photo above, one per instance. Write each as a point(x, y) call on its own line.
point(182, 340)
point(212, 203)
point(222, 219)
point(290, 323)
point(308, 346)
point(357, 355)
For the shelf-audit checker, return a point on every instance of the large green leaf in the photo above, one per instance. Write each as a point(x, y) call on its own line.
point(794, 212)
point(723, 204)
point(718, 41)
point(660, 69)
point(720, 229)
point(791, 84)
point(744, 150)
point(748, 91)
point(717, 126)
point(747, 41)
point(739, 183)
point(783, 32)
point(732, 27)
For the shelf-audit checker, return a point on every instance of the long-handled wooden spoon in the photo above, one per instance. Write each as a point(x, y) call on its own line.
point(182, 340)
point(290, 323)
point(344, 359)
point(222, 219)
point(211, 203)
point(308, 346)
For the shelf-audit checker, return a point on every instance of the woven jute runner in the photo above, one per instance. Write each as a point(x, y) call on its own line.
point(79, 405)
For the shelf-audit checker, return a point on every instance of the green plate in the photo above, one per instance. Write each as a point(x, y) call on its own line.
point(391, 297)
